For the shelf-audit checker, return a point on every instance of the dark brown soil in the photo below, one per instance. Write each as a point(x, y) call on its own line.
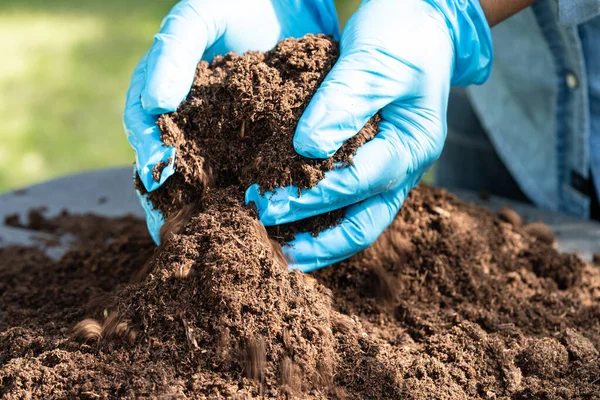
point(449, 303)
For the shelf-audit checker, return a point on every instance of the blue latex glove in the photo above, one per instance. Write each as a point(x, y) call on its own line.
point(399, 58)
point(202, 29)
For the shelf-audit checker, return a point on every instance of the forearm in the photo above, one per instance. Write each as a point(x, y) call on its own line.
point(498, 10)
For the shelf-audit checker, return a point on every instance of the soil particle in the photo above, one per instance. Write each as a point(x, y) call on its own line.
point(256, 358)
point(290, 377)
point(509, 215)
point(13, 220)
point(564, 274)
point(35, 220)
point(578, 346)
point(88, 330)
point(545, 358)
point(21, 192)
point(484, 195)
point(158, 169)
point(541, 232)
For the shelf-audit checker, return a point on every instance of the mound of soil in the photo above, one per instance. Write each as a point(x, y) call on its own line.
point(451, 302)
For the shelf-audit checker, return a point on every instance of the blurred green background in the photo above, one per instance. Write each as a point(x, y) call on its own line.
point(64, 73)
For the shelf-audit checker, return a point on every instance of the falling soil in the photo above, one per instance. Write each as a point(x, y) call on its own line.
point(451, 302)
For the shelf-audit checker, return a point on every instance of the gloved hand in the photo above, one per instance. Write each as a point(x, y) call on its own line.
point(398, 58)
point(201, 29)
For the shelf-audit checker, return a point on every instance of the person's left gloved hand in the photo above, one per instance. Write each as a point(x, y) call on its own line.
point(398, 58)
point(195, 30)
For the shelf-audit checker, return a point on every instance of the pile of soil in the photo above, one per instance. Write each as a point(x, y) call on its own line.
point(451, 302)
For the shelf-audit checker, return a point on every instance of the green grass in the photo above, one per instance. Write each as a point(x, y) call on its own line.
point(64, 73)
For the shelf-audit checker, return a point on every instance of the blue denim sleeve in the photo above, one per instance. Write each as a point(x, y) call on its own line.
point(575, 12)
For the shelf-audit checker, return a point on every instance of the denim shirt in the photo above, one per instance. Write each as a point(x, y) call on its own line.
point(589, 32)
point(535, 106)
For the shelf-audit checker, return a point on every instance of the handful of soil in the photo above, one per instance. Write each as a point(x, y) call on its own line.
point(449, 303)
point(237, 124)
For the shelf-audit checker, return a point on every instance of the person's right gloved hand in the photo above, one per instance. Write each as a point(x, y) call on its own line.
point(202, 29)
point(398, 58)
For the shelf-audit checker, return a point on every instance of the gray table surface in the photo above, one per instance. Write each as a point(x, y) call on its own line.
point(109, 192)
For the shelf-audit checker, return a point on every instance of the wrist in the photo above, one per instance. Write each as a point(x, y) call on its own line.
point(498, 10)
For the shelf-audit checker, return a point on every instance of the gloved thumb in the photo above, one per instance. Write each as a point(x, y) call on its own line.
point(177, 49)
point(377, 66)
point(360, 84)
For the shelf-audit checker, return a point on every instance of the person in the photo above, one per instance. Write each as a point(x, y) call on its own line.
point(540, 107)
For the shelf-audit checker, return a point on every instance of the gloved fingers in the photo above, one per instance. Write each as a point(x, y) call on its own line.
point(260, 24)
point(391, 52)
point(378, 166)
point(144, 135)
point(301, 17)
point(361, 226)
point(200, 29)
point(154, 218)
point(190, 27)
point(362, 82)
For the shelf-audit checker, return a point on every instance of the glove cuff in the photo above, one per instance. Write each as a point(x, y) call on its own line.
point(473, 49)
